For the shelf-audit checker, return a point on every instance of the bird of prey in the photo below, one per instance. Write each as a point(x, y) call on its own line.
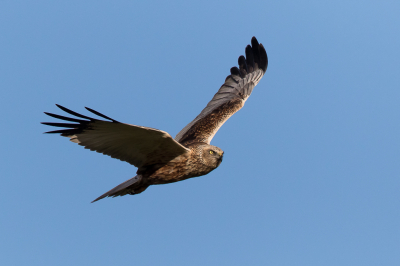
point(161, 159)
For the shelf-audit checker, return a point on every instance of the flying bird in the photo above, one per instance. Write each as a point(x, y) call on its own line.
point(161, 159)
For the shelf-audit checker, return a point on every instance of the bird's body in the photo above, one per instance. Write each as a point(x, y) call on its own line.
point(185, 166)
point(160, 158)
point(191, 164)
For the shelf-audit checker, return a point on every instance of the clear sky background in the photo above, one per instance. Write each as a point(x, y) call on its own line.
point(311, 172)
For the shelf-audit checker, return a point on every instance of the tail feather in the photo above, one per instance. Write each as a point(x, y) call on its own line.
point(121, 189)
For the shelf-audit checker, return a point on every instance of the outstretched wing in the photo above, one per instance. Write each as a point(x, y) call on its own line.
point(139, 146)
point(230, 97)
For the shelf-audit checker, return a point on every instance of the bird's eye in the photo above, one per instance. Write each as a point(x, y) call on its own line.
point(211, 152)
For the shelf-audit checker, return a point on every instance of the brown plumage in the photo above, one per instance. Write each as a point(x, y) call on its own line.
point(160, 159)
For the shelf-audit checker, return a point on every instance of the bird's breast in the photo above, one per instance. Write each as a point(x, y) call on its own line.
point(178, 169)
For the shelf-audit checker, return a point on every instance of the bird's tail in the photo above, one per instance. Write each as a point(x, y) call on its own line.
point(130, 186)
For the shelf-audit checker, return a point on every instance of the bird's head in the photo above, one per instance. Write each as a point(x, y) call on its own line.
point(212, 155)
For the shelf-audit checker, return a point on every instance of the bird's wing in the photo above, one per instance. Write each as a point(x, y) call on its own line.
point(139, 146)
point(229, 98)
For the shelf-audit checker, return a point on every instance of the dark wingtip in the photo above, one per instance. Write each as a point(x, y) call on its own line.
point(67, 125)
point(256, 57)
point(249, 59)
point(254, 42)
point(256, 52)
point(260, 55)
point(61, 131)
point(242, 66)
point(65, 118)
point(74, 113)
point(100, 114)
point(235, 71)
point(263, 58)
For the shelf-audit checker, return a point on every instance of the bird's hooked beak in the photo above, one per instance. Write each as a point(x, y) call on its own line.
point(220, 158)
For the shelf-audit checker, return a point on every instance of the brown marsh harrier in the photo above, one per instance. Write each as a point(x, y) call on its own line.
point(161, 159)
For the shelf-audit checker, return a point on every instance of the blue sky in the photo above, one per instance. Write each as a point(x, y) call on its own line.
point(311, 168)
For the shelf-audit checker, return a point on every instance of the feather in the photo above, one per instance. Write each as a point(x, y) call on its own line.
point(60, 124)
point(74, 113)
point(242, 66)
point(235, 71)
point(114, 192)
point(249, 59)
point(255, 47)
point(100, 114)
point(63, 132)
point(263, 58)
point(65, 118)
